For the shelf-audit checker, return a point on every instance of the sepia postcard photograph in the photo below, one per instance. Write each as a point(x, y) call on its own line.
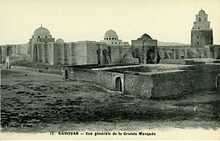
point(109, 69)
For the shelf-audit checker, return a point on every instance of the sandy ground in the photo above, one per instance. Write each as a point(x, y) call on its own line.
point(39, 102)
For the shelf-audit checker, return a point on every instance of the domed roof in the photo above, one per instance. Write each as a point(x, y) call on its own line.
point(110, 34)
point(42, 32)
point(201, 12)
point(145, 36)
point(60, 41)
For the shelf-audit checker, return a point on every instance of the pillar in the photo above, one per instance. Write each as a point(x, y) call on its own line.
point(69, 54)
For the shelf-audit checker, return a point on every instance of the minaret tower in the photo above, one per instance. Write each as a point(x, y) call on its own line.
point(201, 33)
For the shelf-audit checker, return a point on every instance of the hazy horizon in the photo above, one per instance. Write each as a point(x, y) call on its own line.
point(167, 21)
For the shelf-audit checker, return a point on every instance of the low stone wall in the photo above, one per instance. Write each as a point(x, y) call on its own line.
point(155, 85)
point(170, 84)
point(140, 85)
point(43, 70)
point(103, 78)
point(195, 78)
point(82, 74)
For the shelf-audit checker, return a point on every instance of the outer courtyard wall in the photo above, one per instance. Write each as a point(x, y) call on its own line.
point(80, 51)
point(92, 57)
point(183, 52)
point(116, 55)
point(155, 85)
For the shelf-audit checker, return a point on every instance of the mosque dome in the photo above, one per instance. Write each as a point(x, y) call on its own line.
point(42, 32)
point(111, 35)
point(201, 12)
point(60, 41)
point(145, 36)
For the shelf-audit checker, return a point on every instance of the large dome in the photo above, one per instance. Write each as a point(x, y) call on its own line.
point(60, 41)
point(145, 36)
point(111, 34)
point(42, 32)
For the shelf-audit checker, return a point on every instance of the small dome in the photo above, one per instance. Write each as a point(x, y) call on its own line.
point(111, 34)
point(42, 32)
point(201, 12)
point(60, 41)
point(145, 36)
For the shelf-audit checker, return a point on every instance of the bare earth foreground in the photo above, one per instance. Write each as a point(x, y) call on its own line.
point(40, 102)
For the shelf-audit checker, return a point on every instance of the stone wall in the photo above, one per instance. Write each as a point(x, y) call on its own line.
point(171, 83)
point(92, 53)
point(116, 55)
point(80, 51)
point(82, 74)
point(196, 78)
point(103, 78)
point(138, 85)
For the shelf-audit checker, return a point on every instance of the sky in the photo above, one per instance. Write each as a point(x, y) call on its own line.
point(77, 20)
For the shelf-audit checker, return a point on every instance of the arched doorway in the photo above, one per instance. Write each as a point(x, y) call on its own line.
point(150, 56)
point(35, 53)
point(118, 84)
point(66, 76)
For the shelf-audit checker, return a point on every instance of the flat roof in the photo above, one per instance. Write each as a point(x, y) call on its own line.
point(162, 66)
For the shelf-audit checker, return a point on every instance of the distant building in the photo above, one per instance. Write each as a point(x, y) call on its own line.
point(201, 33)
point(111, 39)
point(43, 48)
point(12, 51)
point(201, 43)
point(145, 49)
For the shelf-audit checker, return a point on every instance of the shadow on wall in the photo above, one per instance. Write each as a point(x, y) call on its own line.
point(218, 81)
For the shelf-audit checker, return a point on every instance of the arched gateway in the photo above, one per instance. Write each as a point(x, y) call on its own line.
point(118, 84)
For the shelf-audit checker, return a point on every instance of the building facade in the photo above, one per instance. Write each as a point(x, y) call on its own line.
point(145, 49)
point(111, 39)
point(201, 43)
point(43, 48)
